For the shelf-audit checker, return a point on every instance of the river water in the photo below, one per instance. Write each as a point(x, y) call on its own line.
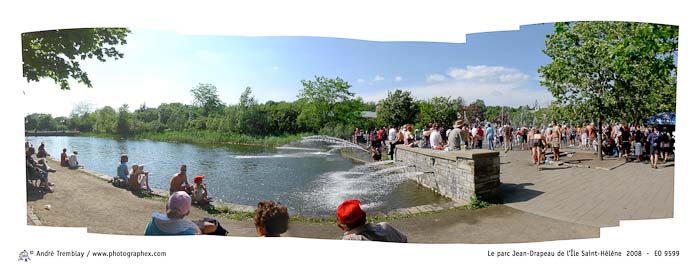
point(310, 178)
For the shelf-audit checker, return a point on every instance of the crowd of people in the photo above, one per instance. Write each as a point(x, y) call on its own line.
point(271, 219)
point(632, 142)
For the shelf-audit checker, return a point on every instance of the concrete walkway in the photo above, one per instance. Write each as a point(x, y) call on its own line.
point(596, 197)
point(82, 200)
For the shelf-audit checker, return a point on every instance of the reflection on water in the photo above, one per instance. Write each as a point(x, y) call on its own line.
point(310, 177)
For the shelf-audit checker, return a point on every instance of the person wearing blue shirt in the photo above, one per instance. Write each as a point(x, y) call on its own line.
point(489, 136)
point(122, 178)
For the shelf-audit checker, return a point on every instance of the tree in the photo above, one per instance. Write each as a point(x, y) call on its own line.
point(55, 53)
point(599, 69)
point(326, 102)
point(252, 118)
point(124, 121)
point(443, 110)
point(207, 98)
point(398, 108)
point(474, 112)
point(106, 120)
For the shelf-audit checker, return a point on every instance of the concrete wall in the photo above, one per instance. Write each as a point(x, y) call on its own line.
point(459, 175)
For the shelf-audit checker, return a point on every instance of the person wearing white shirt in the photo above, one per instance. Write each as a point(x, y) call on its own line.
point(73, 160)
point(392, 134)
point(435, 139)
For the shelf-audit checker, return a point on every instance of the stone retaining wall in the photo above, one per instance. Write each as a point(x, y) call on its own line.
point(458, 175)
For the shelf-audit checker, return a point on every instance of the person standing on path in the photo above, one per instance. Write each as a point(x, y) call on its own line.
point(653, 140)
point(490, 135)
point(555, 140)
point(398, 139)
point(507, 137)
point(524, 137)
point(638, 142)
point(353, 221)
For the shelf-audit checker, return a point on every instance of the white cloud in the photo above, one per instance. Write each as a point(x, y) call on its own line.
point(435, 78)
point(360, 80)
point(398, 78)
point(486, 73)
point(513, 77)
point(378, 78)
point(493, 93)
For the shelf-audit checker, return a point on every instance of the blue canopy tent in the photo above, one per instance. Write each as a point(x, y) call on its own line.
point(663, 118)
point(664, 121)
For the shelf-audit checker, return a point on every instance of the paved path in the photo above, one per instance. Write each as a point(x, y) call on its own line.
point(82, 200)
point(596, 197)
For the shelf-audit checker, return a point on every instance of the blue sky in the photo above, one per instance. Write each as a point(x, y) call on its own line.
point(162, 66)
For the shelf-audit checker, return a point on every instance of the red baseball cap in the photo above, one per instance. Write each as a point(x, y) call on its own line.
point(198, 179)
point(349, 212)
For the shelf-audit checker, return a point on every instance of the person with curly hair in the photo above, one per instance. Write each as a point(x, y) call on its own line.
point(271, 219)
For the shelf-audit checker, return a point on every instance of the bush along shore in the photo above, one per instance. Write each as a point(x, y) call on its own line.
point(209, 137)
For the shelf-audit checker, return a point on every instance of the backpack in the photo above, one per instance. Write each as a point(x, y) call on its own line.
point(220, 230)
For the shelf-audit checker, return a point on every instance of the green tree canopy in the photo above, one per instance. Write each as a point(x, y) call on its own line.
point(327, 102)
point(207, 98)
point(443, 110)
point(55, 53)
point(398, 108)
point(611, 70)
point(474, 112)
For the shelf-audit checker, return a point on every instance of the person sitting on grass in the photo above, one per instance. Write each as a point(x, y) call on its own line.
point(271, 219)
point(64, 158)
point(73, 161)
point(173, 222)
point(200, 194)
point(353, 220)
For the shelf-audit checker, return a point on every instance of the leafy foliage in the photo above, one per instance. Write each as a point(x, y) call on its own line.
point(398, 108)
point(474, 112)
point(443, 110)
point(55, 53)
point(207, 98)
point(611, 70)
point(327, 102)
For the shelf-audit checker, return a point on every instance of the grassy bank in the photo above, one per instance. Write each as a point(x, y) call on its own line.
point(209, 137)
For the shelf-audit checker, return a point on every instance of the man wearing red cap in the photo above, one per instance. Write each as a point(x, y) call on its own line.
point(353, 220)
